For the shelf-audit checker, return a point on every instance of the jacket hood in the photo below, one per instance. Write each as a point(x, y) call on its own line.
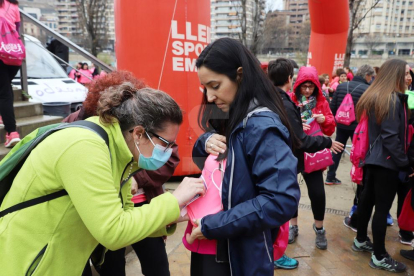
point(307, 74)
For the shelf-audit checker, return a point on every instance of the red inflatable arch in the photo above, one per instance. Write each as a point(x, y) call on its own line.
point(329, 33)
point(159, 41)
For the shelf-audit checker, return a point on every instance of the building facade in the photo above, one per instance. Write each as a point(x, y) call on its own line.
point(68, 18)
point(226, 18)
point(387, 30)
point(390, 18)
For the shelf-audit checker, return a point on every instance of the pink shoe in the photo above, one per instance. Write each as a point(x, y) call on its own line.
point(1, 120)
point(12, 139)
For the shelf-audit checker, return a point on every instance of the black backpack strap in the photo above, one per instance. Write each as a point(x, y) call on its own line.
point(91, 126)
point(82, 124)
point(32, 202)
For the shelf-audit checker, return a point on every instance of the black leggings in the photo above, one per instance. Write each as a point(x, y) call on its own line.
point(206, 265)
point(151, 254)
point(380, 188)
point(7, 74)
point(342, 136)
point(316, 192)
point(402, 191)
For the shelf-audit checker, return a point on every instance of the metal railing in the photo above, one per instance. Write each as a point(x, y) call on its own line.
point(25, 17)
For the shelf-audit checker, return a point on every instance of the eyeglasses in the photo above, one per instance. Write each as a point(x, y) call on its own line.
point(306, 87)
point(168, 143)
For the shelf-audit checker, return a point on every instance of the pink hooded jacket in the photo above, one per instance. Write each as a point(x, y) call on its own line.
point(322, 106)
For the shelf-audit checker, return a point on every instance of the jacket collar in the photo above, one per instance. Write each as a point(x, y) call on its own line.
point(359, 79)
point(117, 145)
point(403, 97)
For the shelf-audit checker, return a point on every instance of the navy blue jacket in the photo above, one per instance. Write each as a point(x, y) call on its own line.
point(260, 192)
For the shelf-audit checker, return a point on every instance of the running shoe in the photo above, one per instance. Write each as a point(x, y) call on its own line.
point(366, 246)
point(408, 254)
point(387, 263)
point(286, 263)
point(353, 209)
point(12, 139)
point(334, 181)
point(293, 233)
point(347, 223)
point(320, 241)
point(406, 238)
point(390, 220)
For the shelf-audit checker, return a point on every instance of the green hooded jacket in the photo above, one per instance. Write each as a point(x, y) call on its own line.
point(57, 237)
point(410, 101)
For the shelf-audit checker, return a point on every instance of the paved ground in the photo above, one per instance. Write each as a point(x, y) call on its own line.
point(339, 259)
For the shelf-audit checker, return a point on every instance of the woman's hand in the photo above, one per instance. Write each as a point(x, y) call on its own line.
point(320, 118)
point(216, 144)
point(305, 127)
point(337, 147)
point(189, 188)
point(134, 186)
point(196, 234)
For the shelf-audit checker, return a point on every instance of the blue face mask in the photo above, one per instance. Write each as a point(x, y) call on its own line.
point(158, 158)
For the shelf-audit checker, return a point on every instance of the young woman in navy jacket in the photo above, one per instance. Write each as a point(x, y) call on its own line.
point(260, 190)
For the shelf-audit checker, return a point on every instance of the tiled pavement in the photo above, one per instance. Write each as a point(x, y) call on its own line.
point(338, 259)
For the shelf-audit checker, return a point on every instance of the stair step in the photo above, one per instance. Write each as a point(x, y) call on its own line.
point(27, 125)
point(3, 151)
point(27, 109)
point(18, 95)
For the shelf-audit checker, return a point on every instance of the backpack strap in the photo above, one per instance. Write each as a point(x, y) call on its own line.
point(33, 202)
point(82, 124)
point(347, 88)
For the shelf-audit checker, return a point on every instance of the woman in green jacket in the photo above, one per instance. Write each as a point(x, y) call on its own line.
point(57, 237)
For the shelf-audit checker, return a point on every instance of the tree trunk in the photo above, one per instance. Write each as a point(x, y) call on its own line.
point(349, 44)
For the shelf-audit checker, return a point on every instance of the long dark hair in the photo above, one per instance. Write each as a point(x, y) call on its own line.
point(224, 56)
point(15, 2)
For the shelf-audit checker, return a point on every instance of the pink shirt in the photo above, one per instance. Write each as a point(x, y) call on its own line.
point(84, 73)
point(72, 74)
point(11, 13)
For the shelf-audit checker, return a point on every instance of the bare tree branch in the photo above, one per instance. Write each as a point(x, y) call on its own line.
point(356, 24)
point(354, 8)
point(91, 14)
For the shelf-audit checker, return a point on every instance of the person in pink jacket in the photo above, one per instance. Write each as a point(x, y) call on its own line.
point(72, 73)
point(342, 78)
point(9, 11)
point(349, 73)
point(84, 75)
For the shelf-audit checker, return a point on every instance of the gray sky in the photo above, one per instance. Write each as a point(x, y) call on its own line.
point(275, 4)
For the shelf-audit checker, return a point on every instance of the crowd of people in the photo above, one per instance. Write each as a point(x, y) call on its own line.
point(261, 131)
point(85, 75)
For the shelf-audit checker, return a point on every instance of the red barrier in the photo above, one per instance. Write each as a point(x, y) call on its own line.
point(329, 32)
point(159, 41)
